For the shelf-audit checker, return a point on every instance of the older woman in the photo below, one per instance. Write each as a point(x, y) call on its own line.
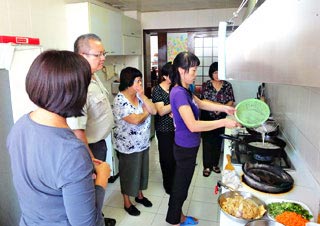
point(132, 110)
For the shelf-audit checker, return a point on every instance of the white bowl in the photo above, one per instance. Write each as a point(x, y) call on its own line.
point(286, 200)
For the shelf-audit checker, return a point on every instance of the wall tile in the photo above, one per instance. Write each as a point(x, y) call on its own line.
point(297, 110)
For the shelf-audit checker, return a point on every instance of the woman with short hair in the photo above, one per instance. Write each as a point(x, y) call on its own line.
point(132, 112)
point(54, 187)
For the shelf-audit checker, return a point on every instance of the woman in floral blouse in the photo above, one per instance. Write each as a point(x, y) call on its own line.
point(132, 110)
point(217, 91)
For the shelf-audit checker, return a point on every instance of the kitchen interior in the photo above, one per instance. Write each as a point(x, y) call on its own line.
point(271, 42)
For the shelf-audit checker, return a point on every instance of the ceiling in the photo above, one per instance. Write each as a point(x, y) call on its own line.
point(170, 5)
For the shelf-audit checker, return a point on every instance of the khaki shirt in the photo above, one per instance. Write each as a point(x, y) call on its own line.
point(98, 118)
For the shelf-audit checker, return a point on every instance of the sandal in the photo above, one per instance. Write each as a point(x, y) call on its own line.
point(216, 169)
point(189, 221)
point(206, 172)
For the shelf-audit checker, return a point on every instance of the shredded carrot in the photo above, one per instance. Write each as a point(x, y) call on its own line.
point(291, 219)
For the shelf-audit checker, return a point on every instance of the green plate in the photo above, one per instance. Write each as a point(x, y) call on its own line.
point(252, 113)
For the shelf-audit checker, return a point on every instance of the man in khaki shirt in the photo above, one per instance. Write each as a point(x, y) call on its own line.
point(97, 122)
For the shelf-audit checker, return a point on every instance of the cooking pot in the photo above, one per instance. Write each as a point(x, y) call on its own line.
point(264, 150)
point(266, 178)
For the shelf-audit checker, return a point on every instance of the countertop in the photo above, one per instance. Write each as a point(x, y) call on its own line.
point(305, 188)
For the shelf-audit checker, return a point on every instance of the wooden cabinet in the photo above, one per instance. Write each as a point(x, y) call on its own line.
point(86, 17)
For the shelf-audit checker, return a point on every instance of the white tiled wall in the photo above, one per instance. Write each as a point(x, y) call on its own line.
point(297, 109)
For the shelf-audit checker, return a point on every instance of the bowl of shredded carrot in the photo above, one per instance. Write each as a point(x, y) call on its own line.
point(289, 212)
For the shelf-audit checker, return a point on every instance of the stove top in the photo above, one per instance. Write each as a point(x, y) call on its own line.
point(240, 155)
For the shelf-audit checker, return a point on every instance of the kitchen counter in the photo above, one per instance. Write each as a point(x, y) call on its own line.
point(305, 188)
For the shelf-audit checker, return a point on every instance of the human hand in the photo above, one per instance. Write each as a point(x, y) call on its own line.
point(102, 170)
point(98, 161)
point(229, 110)
point(230, 123)
point(138, 88)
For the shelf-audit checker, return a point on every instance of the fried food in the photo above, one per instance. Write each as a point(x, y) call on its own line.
point(245, 208)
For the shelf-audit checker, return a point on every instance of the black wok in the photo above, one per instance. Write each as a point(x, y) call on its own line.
point(261, 150)
point(266, 178)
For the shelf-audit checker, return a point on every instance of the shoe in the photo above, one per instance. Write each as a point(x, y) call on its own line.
point(132, 210)
point(189, 221)
point(206, 172)
point(216, 169)
point(144, 201)
point(109, 222)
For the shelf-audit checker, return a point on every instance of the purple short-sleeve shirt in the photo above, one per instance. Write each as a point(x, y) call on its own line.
point(179, 96)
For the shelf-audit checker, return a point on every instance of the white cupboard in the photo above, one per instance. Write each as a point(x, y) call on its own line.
point(90, 18)
point(131, 36)
point(121, 35)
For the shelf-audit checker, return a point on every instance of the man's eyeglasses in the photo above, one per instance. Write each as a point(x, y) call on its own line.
point(96, 55)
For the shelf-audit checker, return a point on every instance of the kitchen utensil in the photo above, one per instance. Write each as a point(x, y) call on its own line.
point(263, 222)
point(252, 113)
point(229, 166)
point(246, 195)
point(263, 149)
point(266, 178)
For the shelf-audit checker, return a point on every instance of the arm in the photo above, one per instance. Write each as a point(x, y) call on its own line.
point(102, 174)
point(83, 197)
point(137, 118)
point(213, 106)
point(198, 126)
point(81, 135)
point(150, 107)
point(163, 109)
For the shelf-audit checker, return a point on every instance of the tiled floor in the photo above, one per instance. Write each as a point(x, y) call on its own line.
point(201, 202)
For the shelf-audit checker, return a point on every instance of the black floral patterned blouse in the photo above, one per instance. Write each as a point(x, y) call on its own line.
point(162, 123)
point(223, 96)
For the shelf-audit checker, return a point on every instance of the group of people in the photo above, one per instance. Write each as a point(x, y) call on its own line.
point(58, 151)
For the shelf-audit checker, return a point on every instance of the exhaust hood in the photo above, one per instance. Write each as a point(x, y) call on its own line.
point(277, 43)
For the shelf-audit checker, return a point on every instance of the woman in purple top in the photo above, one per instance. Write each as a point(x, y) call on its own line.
point(185, 109)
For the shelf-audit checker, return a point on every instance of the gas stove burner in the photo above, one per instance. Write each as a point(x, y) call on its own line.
point(263, 158)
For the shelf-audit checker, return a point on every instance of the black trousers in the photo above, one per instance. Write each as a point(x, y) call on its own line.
point(185, 165)
point(211, 147)
point(99, 150)
point(167, 162)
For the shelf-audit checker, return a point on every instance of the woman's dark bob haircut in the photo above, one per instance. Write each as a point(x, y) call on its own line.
point(184, 60)
point(58, 81)
point(213, 68)
point(127, 77)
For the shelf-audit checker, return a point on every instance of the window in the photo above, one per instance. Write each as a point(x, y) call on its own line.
point(206, 48)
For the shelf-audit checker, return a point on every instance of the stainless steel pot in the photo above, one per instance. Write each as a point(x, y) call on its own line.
point(263, 222)
point(231, 194)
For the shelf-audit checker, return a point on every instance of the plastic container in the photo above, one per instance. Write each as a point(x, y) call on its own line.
point(252, 113)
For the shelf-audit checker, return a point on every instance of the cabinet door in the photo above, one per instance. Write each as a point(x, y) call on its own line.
point(131, 27)
point(131, 45)
point(107, 25)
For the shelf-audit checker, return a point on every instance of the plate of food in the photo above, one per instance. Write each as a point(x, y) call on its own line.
point(288, 212)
